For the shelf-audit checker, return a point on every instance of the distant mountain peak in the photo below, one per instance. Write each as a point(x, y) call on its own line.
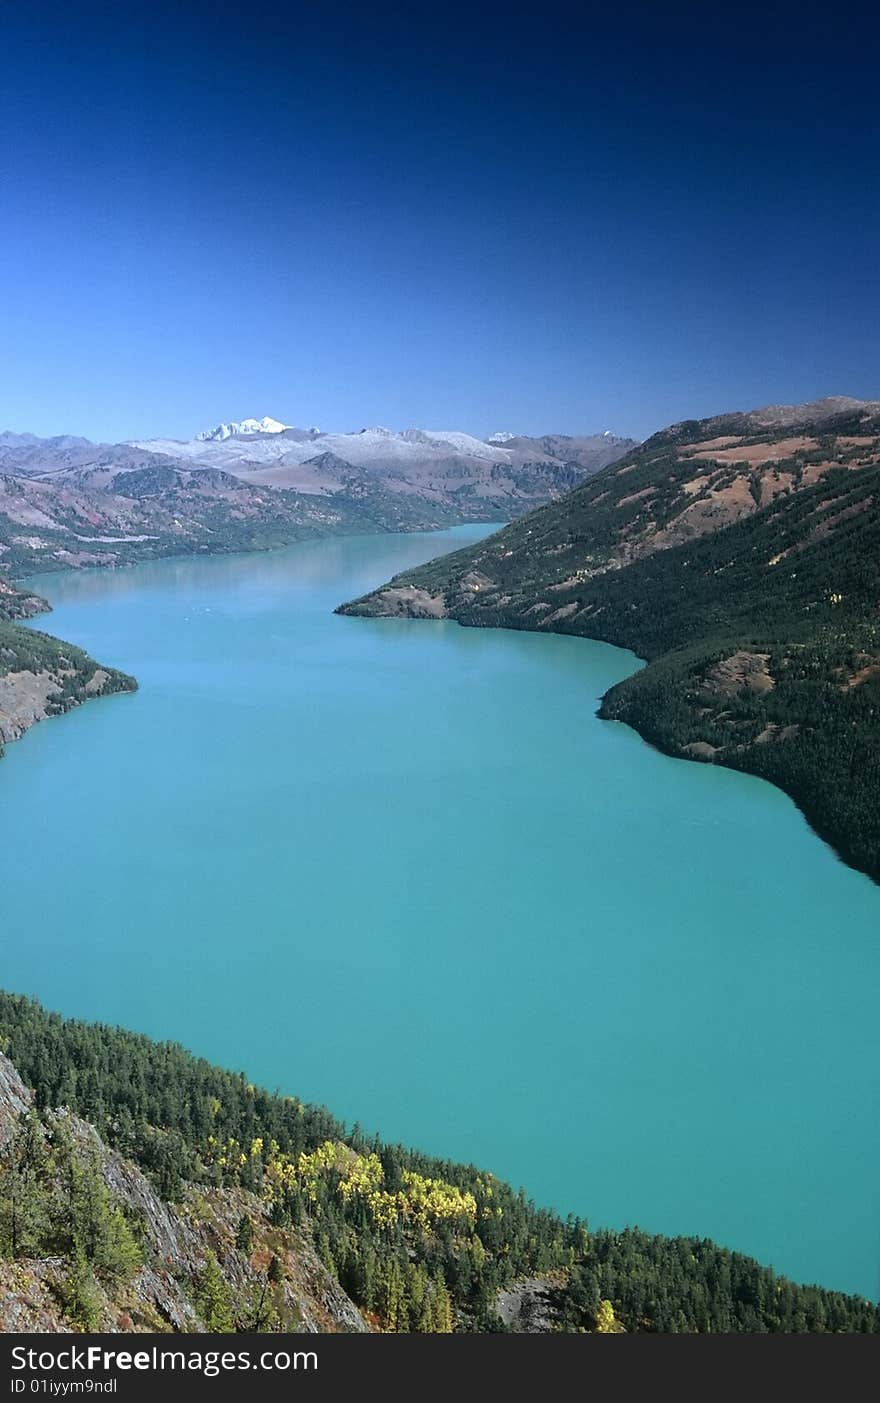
point(502, 436)
point(242, 428)
point(328, 461)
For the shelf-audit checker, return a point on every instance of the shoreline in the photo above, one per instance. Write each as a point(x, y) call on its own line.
point(652, 739)
point(21, 582)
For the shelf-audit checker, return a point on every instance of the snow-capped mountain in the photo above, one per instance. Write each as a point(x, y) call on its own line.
point(244, 428)
point(446, 466)
point(253, 445)
point(374, 447)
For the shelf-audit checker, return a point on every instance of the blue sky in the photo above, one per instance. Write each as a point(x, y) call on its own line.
point(536, 218)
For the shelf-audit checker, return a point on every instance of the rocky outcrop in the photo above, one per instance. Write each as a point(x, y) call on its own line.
point(15, 1098)
point(176, 1240)
point(527, 1306)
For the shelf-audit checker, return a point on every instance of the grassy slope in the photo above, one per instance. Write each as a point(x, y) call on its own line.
point(794, 583)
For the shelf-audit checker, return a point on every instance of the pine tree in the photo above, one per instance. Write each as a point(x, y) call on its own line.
point(116, 1253)
point(214, 1296)
point(417, 1297)
point(24, 1198)
point(79, 1296)
point(392, 1299)
point(244, 1237)
point(443, 1313)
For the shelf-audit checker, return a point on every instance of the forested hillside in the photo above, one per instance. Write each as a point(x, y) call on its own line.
point(249, 1178)
point(740, 557)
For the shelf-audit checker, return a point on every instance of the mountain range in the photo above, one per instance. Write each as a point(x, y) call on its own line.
point(66, 502)
point(478, 479)
point(739, 556)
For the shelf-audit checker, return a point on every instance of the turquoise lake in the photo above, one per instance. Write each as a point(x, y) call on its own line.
point(402, 869)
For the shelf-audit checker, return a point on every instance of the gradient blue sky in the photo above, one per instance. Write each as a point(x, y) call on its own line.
point(527, 217)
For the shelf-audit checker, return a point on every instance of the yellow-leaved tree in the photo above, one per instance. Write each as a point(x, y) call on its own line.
point(606, 1322)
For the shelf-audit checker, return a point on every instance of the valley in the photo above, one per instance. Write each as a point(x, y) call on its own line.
point(661, 551)
point(67, 503)
point(407, 873)
point(440, 522)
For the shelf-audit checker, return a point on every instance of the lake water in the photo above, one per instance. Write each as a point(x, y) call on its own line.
point(402, 869)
